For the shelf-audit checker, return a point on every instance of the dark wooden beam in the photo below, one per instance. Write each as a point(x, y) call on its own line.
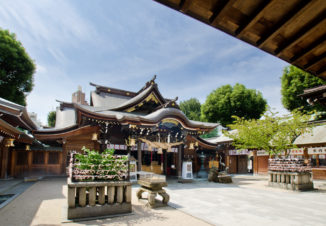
point(287, 19)
point(321, 70)
point(315, 61)
point(184, 5)
point(253, 18)
point(316, 44)
point(217, 10)
point(304, 30)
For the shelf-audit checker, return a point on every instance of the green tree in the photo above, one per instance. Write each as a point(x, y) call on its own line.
point(191, 108)
point(226, 101)
point(272, 133)
point(51, 118)
point(294, 81)
point(16, 69)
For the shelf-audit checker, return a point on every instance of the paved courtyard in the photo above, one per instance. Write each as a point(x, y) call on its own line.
point(249, 202)
point(245, 202)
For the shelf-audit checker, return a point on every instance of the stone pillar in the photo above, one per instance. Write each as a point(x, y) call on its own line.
point(101, 195)
point(283, 178)
point(139, 156)
point(92, 196)
point(71, 197)
point(128, 193)
point(111, 194)
point(287, 179)
point(82, 196)
point(119, 194)
point(271, 177)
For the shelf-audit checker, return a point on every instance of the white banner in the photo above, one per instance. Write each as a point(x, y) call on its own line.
point(239, 152)
point(317, 150)
point(296, 151)
point(262, 153)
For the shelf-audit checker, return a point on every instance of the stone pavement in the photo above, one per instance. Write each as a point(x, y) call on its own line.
point(43, 204)
point(13, 187)
point(248, 201)
point(245, 202)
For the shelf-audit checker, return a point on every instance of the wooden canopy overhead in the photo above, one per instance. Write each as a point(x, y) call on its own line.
point(292, 30)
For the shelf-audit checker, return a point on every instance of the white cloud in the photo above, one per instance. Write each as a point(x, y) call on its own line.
point(123, 44)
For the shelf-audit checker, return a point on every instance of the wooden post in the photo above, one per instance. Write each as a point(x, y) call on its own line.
point(46, 160)
point(64, 157)
point(139, 156)
point(29, 162)
point(180, 150)
point(165, 162)
point(13, 163)
point(61, 162)
point(4, 161)
point(255, 170)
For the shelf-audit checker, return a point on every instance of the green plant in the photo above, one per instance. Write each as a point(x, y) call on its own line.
point(99, 166)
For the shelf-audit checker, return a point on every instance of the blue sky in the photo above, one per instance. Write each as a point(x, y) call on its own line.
point(123, 43)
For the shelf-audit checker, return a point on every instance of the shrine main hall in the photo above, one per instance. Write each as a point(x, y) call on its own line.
point(144, 124)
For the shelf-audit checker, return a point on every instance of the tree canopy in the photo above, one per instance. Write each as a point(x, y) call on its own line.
point(226, 101)
point(51, 118)
point(16, 69)
point(294, 81)
point(191, 108)
point(272, 133)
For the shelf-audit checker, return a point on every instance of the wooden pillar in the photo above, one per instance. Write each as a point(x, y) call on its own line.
point(61, 163)
point(179, 166)
point(317, 160)
point(4, 161)
point(255, 170)
point(165, 162)
point(29, 162)
point(139, 156)
point(64, 157)
point(13, 163)
point(46, 160)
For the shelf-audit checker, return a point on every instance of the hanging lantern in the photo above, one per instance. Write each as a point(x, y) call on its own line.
point(94, 136)
point(28, 147)
point(10, 142)
point(132, 142)
point(191, 146)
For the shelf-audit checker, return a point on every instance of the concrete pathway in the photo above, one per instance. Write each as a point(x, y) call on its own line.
point(44, 202)
point(249, 201)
